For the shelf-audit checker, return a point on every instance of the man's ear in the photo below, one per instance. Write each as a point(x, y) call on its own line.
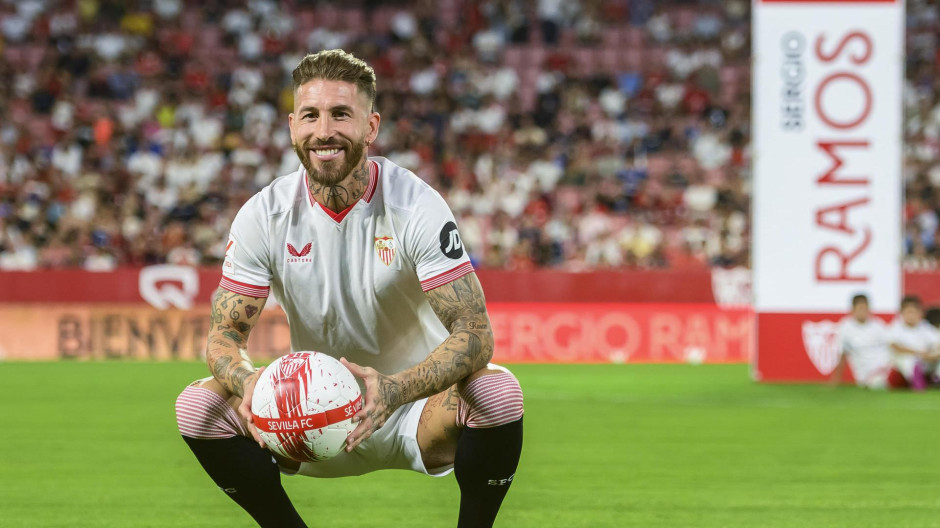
point(375, 119)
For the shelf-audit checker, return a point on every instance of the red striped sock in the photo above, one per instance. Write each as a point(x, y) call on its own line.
point(490, 401)
point(203, 414)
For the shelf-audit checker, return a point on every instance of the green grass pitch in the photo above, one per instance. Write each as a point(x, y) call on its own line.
point(95, 445)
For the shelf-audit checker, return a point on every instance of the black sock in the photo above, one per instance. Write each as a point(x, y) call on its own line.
point(248, 475)
point(485, 465)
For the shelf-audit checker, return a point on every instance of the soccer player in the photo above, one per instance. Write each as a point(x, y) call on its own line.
point(914, 343)
point(932, 316)
point(367, 263)
point(863, 344)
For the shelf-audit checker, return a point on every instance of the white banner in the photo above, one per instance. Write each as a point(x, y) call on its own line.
point(827, 114)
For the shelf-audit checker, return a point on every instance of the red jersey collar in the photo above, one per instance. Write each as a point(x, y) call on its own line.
point(367, 196)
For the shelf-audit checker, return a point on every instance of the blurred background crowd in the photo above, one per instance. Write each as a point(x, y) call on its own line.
point(565, 134)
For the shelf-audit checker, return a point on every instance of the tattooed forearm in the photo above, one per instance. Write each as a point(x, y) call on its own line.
point(230, 367)
point(234, 336)
point(237, 379)
point(391, 391)
point(222, 343)
point(462, 309)
point(459, 299)
point(220, 367)
point(226, 354)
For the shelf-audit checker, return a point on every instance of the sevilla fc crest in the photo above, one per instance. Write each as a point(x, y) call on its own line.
point(385, 247)
point(821, 341)
point(290, 364)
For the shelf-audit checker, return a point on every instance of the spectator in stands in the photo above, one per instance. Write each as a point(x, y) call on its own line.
point(167, 111)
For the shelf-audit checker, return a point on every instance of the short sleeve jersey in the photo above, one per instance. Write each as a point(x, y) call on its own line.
point(921, 338)
point(866, 346)
point(352, 284)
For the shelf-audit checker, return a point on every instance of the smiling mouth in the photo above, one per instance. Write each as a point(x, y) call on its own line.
point(326, 151)
point(325, 154)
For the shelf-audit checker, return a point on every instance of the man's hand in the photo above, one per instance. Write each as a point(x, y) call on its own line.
point(932, 354)
point(837, 373)
point(461, 308)
point(245, 408)
point(382, 397)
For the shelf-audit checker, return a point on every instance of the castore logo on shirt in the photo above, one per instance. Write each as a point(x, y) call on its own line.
point(299, 256)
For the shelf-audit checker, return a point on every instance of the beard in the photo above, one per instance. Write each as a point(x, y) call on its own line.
point(332, 171)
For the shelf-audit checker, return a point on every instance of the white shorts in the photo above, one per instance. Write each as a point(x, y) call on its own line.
point(394, 446)
point(870, 374)
point(876, 380)
point(904, 363)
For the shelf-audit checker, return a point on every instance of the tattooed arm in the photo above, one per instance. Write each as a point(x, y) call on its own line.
point(461, 307)
point(233, 316)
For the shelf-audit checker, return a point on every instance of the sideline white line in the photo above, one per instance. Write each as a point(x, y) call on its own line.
point(883, 404)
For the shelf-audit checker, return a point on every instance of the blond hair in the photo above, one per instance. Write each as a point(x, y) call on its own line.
point(337, 65)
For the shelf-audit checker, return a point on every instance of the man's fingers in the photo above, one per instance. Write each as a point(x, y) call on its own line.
point(364, 412)
point(256, 435)
point(250, 383)
point(359, 435)
point(370, 423)
point(354, 368)
point(362, 430)
point(366, 416)
point(245, 408)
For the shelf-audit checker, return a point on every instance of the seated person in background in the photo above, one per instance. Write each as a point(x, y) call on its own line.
point(932, 316)
point(914, 343)
point(863, 344)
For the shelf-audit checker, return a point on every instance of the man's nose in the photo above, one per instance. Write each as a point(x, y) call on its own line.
point(324, 128)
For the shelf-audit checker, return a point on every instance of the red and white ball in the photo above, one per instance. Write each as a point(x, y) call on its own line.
point(303, 406)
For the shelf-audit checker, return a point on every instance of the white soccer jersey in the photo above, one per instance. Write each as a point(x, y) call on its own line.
point(866, 348)
point(921, 338)
point(352, 284)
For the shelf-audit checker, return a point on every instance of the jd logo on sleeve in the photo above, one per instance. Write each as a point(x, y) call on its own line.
point(451, 246)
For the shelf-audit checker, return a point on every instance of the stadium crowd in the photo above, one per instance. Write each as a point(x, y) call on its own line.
point(567, 134)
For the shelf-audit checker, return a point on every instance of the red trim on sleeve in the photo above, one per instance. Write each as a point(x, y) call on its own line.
point(242, 288)
point(448, 276)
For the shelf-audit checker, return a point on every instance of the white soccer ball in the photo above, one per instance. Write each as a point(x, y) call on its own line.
point(303, 404)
